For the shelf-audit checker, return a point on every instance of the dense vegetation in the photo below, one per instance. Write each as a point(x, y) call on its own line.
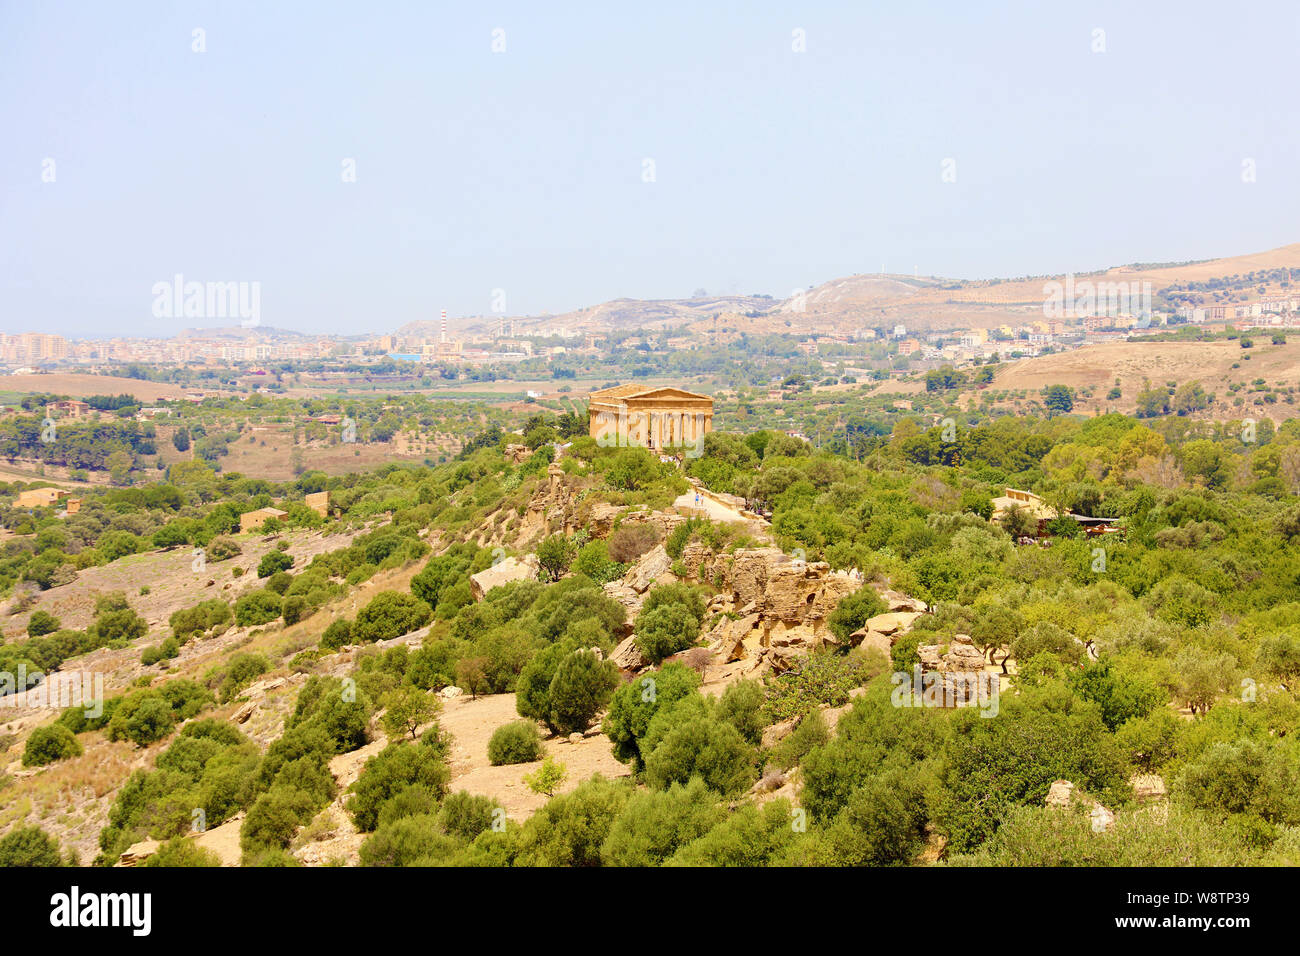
point(1166, 649)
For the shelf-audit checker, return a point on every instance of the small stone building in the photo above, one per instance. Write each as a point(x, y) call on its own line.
point(253, 520)
point(40, 497)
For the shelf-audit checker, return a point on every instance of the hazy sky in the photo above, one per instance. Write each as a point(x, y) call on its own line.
point(524, 170)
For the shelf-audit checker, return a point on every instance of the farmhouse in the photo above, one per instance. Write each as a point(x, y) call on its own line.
point(253, 520)
point(654, 417)
point(1034, 506)
point(70, 409)
point(40, 497)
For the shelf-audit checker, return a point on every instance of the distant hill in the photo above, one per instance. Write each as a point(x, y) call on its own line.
point(870, 300)
point(240, 334)
point(927, 303)
point(618, 314)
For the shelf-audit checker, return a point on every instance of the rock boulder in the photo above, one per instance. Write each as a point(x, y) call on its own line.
point(503, 572)
point(649, 569)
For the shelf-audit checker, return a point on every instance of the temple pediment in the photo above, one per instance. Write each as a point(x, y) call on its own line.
point(641, 394)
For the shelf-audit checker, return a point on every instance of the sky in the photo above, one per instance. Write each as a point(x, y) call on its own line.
point(533, 158)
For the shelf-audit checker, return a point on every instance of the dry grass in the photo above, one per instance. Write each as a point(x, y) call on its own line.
point(1133, 363)
point(82, 386)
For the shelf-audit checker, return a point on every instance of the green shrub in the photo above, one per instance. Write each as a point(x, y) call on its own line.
point(853, 611)
point(272, 562)
point(389, 614)
point(50, 743)
point(241, 670)
point(407, 842)
point(594, 561)
point(811, 732)
point(741, 705)
point(466, 815)
point(654, 825)
point(751, 836)
point(571, 829)
point(338, 634)
point(29, 846)
point(165, 651)
point(279, 581)
point(698, 745)
point(516, 742)
point(204, 616)
point(42, 623)
point(274, 818)
point(636, 703)
point(663, 631)
point(180, 851)
point(582, 686)
point(393, 769)
point(222, 548)
point(257, 607)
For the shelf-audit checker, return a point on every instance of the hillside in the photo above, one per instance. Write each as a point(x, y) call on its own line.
point(1216, 365)
point(615, 315)
point(452, 662)
point(847, 303)
point(938, 303)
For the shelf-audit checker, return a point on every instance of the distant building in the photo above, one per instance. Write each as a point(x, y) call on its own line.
point(654, 417)
point(1037, 508)
point(319, 502)
point(1027, 501)
point(253, 520)
point(69, 409)
point(40, 497)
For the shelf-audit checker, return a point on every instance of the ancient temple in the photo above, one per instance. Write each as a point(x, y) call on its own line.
point(654, 417)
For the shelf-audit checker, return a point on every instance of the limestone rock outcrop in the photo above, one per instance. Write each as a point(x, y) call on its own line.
point(650, 569)
point(1148, 787)
point(960, 672)
point(772, 608)
point(627, 597)
point(627, 656)
point(892, 623)
point(898, 601)
point(1063, 793)
point(779, 585)
point(503, 572)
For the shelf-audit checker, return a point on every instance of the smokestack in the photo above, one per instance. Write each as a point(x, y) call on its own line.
point(444, 326)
